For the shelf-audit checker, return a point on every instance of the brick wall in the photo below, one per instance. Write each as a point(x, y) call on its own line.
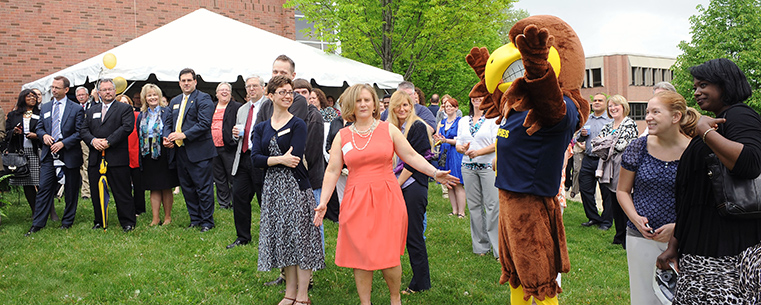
point(38, 38)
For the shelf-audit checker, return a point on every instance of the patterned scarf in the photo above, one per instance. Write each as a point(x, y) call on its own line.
point(477, 126)
point(153, 132)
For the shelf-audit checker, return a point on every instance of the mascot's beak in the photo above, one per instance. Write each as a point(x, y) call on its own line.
point(505, 66)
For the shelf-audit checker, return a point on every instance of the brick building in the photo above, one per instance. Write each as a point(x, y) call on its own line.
point(631, 76)
point(42, 37)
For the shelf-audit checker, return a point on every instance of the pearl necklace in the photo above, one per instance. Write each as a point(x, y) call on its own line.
point(368, 134)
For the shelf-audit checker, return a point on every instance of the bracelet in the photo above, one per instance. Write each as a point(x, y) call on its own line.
point(434, 173)
point(706, 133)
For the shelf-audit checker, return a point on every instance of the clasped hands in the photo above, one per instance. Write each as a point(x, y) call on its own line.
point(174, 136)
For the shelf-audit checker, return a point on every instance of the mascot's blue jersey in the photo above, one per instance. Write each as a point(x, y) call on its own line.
point(533, 164)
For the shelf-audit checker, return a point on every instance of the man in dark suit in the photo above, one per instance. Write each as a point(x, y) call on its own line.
point(247, 180)
point(59, 130)
point(106, 128)
point(189, 129)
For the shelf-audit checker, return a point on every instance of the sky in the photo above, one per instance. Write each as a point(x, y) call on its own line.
point(642, 27)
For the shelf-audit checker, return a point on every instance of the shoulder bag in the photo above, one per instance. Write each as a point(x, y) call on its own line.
point(15, 163)
point(735, 197)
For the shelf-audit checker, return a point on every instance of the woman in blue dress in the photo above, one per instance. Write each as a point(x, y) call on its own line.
point(449, 158)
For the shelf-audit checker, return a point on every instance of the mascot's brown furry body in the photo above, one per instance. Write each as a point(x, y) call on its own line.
point(540, 112)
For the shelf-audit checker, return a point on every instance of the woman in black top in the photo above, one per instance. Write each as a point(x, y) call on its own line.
point(414, 186)
point(20, 132)
point(717, 257)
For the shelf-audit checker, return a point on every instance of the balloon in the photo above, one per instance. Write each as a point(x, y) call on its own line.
point(109, 60)
point(120, 83)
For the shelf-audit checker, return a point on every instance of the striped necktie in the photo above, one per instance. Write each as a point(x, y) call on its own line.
point(181, 116)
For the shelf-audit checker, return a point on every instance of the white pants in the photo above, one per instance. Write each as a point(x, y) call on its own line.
point(642, 254)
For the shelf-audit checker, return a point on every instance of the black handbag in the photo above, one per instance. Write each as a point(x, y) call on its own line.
point(15, 163)
point(735, 197)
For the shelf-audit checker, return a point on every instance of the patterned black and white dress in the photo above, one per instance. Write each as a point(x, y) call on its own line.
point(287, 234)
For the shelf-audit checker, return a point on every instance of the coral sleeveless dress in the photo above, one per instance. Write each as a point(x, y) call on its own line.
point(372, 228)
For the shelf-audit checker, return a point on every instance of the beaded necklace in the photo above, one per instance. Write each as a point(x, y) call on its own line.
point(368, 134)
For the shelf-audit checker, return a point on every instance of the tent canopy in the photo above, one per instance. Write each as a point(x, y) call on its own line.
point(219, 49)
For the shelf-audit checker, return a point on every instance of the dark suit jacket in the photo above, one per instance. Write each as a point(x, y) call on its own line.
point(163, 116)
point(16, 142)
point(196, 125)
point(72, 121)
point(115, 128)
point(228, 122)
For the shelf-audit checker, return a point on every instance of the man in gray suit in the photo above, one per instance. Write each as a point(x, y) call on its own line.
point(247, 180)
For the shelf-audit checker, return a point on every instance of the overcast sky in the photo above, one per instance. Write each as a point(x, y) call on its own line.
point(644, 27)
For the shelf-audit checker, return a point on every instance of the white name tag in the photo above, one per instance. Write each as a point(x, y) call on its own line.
point(96, 115)
point(346, 148)
point(36, 116)
point(284, 132)
point(176, 106)
point(46, 115)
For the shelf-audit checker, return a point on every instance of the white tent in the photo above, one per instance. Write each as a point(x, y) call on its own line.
point(219, 49)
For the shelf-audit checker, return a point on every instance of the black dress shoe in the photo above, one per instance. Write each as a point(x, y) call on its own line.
point(64, 227)
point(97, 226)
point(32, 230)
point(279, 280)
point(604, 227)
point(590, 223)
point(206, 228)
point(236, 243)
point(128, 228)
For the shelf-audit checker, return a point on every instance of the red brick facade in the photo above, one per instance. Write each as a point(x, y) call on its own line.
point(42, 37)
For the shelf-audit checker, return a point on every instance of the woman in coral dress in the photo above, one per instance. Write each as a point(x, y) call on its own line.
point(372, 229)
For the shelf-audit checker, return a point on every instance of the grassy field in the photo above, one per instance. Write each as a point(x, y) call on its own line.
point(172, 265)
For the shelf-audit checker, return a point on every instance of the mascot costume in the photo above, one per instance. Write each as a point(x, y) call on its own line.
point(532, 84)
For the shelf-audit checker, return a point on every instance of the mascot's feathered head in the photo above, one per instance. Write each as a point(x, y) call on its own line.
point(509, 76)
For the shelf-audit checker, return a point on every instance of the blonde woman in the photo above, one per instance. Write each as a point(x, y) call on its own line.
point(159, 176)
point(373, 227)
point(625, 130)
point(414, 186)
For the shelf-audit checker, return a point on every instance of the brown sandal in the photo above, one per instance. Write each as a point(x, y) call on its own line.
point(293, 301)
point(307, 302)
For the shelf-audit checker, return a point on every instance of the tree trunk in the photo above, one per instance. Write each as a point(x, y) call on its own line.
point(388, 28)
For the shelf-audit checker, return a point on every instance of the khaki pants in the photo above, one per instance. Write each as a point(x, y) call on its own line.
point(83, 170)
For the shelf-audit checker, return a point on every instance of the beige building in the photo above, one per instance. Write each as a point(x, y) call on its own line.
point(631, 76)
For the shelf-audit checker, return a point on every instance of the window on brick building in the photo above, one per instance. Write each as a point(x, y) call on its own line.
point(637, 110)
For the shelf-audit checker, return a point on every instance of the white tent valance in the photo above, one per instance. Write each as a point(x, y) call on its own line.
point(219, 49)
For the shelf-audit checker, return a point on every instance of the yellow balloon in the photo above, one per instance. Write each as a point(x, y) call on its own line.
point(109, 60)
point(120, 83)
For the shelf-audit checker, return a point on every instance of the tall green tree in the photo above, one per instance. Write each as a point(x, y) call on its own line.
point(725, 29)
point(424, 40)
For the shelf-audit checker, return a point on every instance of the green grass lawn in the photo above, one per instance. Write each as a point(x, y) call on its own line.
point(172, 265)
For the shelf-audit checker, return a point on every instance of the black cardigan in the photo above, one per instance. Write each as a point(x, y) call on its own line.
point(17, 141)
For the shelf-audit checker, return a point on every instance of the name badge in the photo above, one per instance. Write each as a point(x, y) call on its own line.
point(46, 115)
point(346, 148)
point(284, 132)
point(36, 116)
point(176, 106)
point(96, 115)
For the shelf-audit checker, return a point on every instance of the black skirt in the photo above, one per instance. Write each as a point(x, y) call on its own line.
point(156, 173)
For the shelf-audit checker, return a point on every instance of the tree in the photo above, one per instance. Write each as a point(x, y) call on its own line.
point(424, 40)
point(725, 29)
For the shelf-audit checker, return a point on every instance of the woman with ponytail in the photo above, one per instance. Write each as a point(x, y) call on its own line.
point(646, 188)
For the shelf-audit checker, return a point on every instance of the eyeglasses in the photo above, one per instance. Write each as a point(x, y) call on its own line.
point(108, 89)
point(252, 86)
point(284, 93)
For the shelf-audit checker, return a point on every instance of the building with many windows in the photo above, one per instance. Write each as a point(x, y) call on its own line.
point(631, 76)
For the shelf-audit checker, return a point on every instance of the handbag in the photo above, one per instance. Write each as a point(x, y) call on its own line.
point(735, 197)
point(15, 163)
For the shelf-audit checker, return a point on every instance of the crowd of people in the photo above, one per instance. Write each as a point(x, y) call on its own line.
point(307, 157)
